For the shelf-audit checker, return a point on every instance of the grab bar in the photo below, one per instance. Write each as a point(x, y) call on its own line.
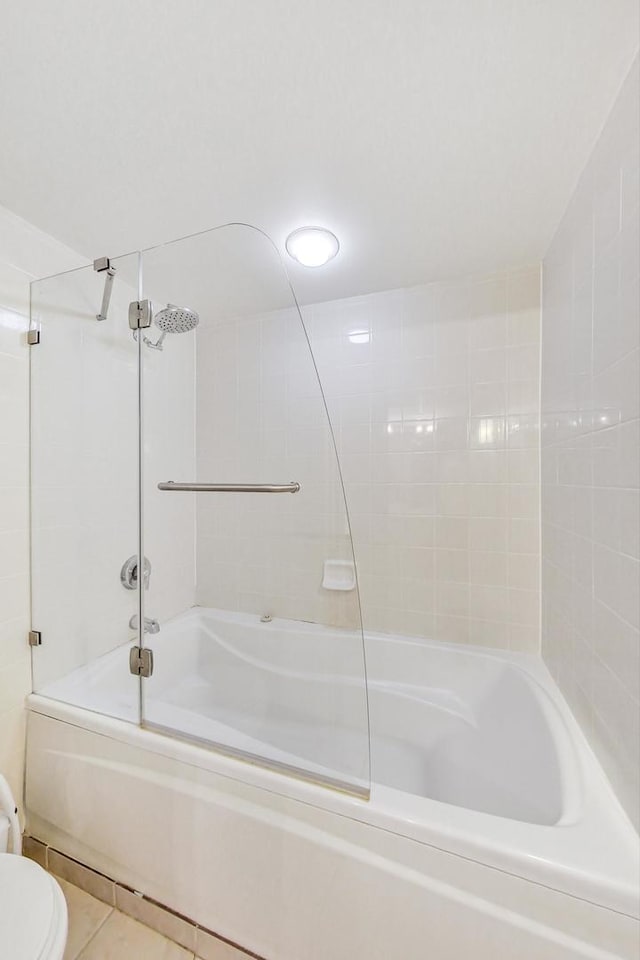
point(231, 487)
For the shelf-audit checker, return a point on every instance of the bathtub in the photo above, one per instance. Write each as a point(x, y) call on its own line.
point(485, 827)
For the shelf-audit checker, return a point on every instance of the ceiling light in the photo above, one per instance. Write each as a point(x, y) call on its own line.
point(312, 246)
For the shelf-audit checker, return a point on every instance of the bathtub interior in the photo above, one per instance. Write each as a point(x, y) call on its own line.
point(285, 694)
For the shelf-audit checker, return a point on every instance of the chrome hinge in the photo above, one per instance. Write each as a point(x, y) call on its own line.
point(141, 661)
point(35, 638)
point(33, 337)
point(140, 314)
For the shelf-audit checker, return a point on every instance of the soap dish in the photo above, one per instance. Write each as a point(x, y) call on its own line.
point(339, 575)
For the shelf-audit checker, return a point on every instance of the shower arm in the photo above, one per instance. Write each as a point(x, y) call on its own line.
point(103, 265)
point(158, 344)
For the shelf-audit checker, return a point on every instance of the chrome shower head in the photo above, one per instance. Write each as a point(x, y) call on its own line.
point(173, 320)
point(176, 319)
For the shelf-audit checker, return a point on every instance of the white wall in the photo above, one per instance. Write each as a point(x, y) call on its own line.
point(24, 253)
point(590, 449)
point(434, 394)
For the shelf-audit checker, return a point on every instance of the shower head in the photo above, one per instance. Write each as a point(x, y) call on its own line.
point(176, 319)
point(173, 320)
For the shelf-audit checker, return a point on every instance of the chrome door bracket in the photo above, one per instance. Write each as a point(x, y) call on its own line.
point(35, 638)
point(140, 314)
point(141, 661)
point(33, 337)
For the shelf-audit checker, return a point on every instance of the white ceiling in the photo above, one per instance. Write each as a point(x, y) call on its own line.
point(435, 137)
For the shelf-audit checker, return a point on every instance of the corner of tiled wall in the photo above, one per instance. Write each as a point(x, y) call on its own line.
point(590, 449)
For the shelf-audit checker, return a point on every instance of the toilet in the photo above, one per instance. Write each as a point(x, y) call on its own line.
point(33, 911)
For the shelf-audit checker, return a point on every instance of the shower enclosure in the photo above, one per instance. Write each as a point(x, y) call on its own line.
point(185, 478)
point(196, 634)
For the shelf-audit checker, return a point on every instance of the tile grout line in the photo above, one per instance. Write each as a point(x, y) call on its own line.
point(78, 956)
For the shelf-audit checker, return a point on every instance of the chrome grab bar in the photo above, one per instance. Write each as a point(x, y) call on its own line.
point(231, 487)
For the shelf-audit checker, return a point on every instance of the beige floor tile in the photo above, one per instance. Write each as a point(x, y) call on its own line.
point(121, 938)
point(86, 916)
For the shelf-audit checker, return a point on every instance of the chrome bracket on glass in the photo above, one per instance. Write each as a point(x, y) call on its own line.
point(231, 487)
point(141, 661)
point(35, 638)
point(140, 314)
point(103, 265)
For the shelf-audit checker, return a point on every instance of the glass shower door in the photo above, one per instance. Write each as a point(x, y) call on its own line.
point(252, 609)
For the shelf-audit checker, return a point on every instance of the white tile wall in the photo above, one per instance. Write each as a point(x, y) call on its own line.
point(591, 451)
point(24, 252)
point(261, 418)
point(433, 394)
point(169, 453)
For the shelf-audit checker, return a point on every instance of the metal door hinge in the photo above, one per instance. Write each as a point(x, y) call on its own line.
point(141, 661)
point(33, 337)
point(35, 638)
point(140, 314)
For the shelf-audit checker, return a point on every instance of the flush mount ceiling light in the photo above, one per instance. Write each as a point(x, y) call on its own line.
point(312, 246)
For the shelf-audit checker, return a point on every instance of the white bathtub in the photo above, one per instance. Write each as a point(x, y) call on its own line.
point(488, 816)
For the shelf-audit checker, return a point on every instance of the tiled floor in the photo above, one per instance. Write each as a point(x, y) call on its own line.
point(100, 932)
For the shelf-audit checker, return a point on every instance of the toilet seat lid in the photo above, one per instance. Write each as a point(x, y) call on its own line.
point(32, 911)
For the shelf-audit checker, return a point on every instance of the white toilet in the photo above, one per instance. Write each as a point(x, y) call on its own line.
point(33, 911)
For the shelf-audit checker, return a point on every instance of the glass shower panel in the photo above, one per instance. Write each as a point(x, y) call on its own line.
point(84, 486)
point(252, 610)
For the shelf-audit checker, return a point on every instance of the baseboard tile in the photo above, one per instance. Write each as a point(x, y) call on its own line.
point(204, 943)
